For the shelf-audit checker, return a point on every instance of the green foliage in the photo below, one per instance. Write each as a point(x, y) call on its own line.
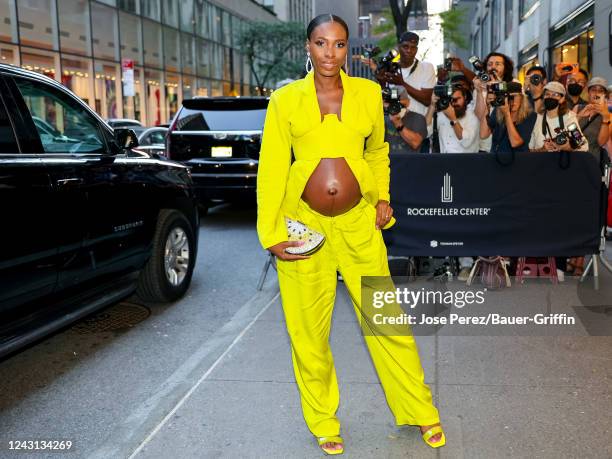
point(387, 31)
point(452, 20)
point(274, 51)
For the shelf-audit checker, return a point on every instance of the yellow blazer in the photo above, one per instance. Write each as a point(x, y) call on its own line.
point(293, 124)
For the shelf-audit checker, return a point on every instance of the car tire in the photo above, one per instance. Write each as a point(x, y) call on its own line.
point(167, 274)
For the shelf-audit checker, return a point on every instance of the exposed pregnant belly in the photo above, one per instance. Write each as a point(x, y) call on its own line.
point(332, 189)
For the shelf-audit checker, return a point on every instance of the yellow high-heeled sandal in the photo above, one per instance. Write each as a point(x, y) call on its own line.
point(331, 452)
point(430, 433)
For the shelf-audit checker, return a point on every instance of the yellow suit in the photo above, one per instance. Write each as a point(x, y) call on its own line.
point(353, 246)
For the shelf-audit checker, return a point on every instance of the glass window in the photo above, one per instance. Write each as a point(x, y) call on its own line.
point(188, 53)
point(187, 87)
point(217, 58)
point(226, 25)
point(105, 32)
point(107, 87)
point(74, 27)
point(109, 2)
point(9, 54)
point(486, 40)
point(38, 24)
point(227, 63)
point(155, 137)
point(151, 9)
point(203, 17)
point(75, 76)
point(186, 10)
point(153, 97)
point(133, 105)
point(133, 6)
point(203, 89)
point(131, 38)
point(528, 6)
point(171, 87)
point(204, 58)
point(8, 143)
point(152, 36)
point(37, 60)
point(216, 88)
point(63, 125)
point(215, 32)
point(496, 23)
point(226, 119)
point(8, 21)
point(171, 14)
point(509, 17)
point(171, 49)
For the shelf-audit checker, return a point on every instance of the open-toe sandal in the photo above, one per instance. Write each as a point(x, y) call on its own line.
point(430, 433)
point(331, 451)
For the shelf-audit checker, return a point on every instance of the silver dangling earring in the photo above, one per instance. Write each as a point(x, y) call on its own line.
point(308, 63)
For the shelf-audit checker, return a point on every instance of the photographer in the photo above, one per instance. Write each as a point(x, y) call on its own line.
point(406, 133)
point(594, 117)
point(458, 127)
point(551, 130)
point(535, 80)
point(416, 78)
point(574, 85)
point(511, 123)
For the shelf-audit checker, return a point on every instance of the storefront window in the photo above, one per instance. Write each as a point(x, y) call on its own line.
point(8, 21)
point(151, 9)
point(9, 54)
point(172, 88)
point(216, 88)
point(105, 32)
point(37, 60)
point(75, 37)
point(203, 12)
point(171, 49)
point(203, 89)
point(152, 36)
point(133, 105)
point(186, 12)
point(204, 58)
point(187, 87)
point(131, 38)
point(133, 6)
point(188, 53)
point(576, 50)
point(38, 24)
point(154, 97)
point(171, 14)
point(226, 24)
point(107, 89)
point(76, 73)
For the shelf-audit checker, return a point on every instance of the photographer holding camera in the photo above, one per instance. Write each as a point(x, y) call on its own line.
point(458, 128)
point(511, 122)
point(415, 77)
point(557, 128)
point(594, 117)
point(407, 132)
point(535, 79)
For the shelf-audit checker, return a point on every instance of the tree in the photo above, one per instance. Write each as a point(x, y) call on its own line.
point(400, 9)
point(273, 50)
point(452, 20)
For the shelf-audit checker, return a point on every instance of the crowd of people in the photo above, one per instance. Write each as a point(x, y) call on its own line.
point(489, 110)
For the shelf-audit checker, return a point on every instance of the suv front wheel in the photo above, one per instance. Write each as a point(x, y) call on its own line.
point(167, 274)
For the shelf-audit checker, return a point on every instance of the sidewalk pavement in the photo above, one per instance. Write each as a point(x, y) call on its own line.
point(498, 396)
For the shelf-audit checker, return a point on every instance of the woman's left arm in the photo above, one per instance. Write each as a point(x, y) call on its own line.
point(376, 152)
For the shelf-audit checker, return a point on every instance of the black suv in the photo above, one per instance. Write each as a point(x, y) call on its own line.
point(219, 139)
point(86, 221)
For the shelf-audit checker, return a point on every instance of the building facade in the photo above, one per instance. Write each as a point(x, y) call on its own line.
point(178, 49)
point(545, 32)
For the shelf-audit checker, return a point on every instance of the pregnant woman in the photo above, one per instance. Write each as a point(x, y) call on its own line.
point(324, 163)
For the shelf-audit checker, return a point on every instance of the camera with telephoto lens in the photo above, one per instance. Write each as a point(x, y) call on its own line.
point(385, 64)
point(502, 91)
point(444, 93)
point(391, 96)
point(481, 71)
point(448, 64)
point(535, 79)
point(573, 134)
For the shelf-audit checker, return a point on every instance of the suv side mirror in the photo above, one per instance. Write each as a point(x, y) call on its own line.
point(125, 138)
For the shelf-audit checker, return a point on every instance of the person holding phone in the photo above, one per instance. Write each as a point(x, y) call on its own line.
point(594, 117)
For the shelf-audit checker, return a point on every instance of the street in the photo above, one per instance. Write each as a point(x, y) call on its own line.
point(211, 376)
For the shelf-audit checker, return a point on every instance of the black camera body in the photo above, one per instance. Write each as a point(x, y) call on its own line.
point(571, 134)
point(391, 96)
point(481, 71)
point(448, 64)
point(385, 64)
point(535, 79)
point(444, 93)
point(502, 91)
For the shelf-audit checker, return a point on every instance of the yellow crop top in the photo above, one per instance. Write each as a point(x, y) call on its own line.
point(293, 123)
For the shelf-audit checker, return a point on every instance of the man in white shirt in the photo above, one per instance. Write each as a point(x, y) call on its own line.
point(417, 78)
point(458, 127)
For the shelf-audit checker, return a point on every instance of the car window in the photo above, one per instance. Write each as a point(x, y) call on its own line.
point(221, 120)
point(63, 125)
point(8, 143)
point(157, 137)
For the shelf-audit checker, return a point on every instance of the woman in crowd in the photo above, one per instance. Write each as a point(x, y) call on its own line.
point(338, 187)
point(594, 116)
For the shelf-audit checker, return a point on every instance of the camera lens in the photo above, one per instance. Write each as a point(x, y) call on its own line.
point(561, 139)
point(484, 77)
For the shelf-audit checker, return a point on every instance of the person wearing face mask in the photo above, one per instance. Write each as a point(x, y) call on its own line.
point(511, 124)
point(575, 84)
point(556, 118)
point(535, 80)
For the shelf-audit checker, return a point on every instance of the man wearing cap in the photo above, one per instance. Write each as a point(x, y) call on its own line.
point(594, 117)
point(556, 118)
point(417, 78)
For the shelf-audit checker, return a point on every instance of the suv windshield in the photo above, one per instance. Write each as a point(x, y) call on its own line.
point(221, 116)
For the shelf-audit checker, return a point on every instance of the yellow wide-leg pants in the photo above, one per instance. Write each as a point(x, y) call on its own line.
point(355, 248)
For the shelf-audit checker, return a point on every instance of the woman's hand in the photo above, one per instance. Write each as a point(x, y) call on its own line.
point(384, 212)
point(278, 251)
point(550, 145)
point(396, 119)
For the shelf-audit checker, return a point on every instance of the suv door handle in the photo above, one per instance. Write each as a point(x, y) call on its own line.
point(69, 181)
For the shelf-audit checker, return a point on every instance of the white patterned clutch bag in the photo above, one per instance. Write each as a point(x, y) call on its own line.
point(297, 231)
